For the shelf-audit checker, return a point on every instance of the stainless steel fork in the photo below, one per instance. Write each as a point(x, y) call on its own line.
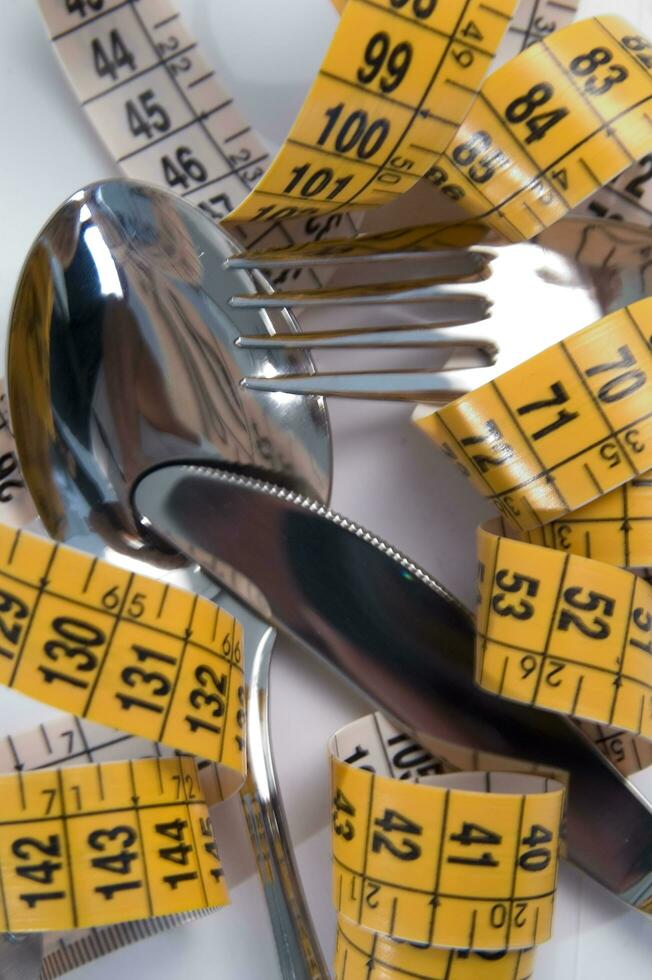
point(487, 306)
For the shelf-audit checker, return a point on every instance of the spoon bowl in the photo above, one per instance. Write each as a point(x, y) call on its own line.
point(122, 355)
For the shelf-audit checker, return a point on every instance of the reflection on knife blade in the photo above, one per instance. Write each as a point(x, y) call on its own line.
point(389, 628)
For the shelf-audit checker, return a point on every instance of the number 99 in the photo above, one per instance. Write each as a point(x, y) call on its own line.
point(380, 54)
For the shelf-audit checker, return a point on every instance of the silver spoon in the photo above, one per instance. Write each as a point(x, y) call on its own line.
point(122, 355)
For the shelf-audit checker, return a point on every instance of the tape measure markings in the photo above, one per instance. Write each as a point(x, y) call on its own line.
point(90, 944)
point(416, 126)
point(419, 876)
point(153, 806)
point(126, 651)
point(166, 60)
point(378, 958)
point(615, 528)
point(534, 11)
point(199, 107)
point(541, 185)
point(627, 752)
point(608, 393)
point(632, 199)
point(543, 649)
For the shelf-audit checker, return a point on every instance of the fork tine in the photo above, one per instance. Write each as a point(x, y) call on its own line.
point(476, 256)
point(417, 290)
point(433, 387)
point(426, 335)
point(428, 241)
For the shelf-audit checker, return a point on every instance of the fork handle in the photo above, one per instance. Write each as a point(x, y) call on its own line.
point(299, 953)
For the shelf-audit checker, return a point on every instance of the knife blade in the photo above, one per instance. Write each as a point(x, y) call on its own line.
point(399, 636)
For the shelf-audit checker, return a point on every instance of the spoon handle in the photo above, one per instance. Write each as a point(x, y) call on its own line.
point(297, 946)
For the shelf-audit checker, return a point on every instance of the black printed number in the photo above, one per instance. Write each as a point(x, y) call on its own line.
point(587, 64)
point(183, 169)
point(80, 6)
point(624, 383)
point(471, 835)
point(642, 619)
point(420, 8)
point(522, 110)
point(145, 114)
point(475, 154)
point(636, 185)
point(354, 132)
point(177, 852)
point(380, 56)
point(537, 857)
point(641, 47)
point(109, 58)
point(72, 650)
point(9, 468)
point(438, 177)
point(217, 207)
point(402, 829)
point(343, 809)
point(597, 628)
point(12, 610)
point(493, 439)
point(513, 582)
point(40, 868)
point(211, 694)
point(308, 184)
point(154, 683)
point(116, 856)
point(559, 397)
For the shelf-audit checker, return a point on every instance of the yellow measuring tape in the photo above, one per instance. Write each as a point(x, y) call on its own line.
point(558, 628)
point(542, 134)
point(465, 860)
point(82, 846)
point(396, 83)
point(85, 636)
point(399, 97)
point(119, 648)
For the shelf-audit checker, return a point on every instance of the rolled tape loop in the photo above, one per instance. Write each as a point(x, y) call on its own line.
point(516, 161)
point(583, 428)
point(554, 125)
point(118, 648)
point(79, 846)
point(373, 124)
point(464, 859)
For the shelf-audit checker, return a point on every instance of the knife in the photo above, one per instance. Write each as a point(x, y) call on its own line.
point(399, 636)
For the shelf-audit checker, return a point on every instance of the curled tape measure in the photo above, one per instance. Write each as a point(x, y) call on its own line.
point(562, 623)
point(85, 636)
point(72, 840)
point(372, 125)
point(465, 860)
point(399, 98)
point(69, 741)
point(168, 666)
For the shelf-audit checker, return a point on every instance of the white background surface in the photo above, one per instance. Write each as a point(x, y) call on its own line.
point(266, 53)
